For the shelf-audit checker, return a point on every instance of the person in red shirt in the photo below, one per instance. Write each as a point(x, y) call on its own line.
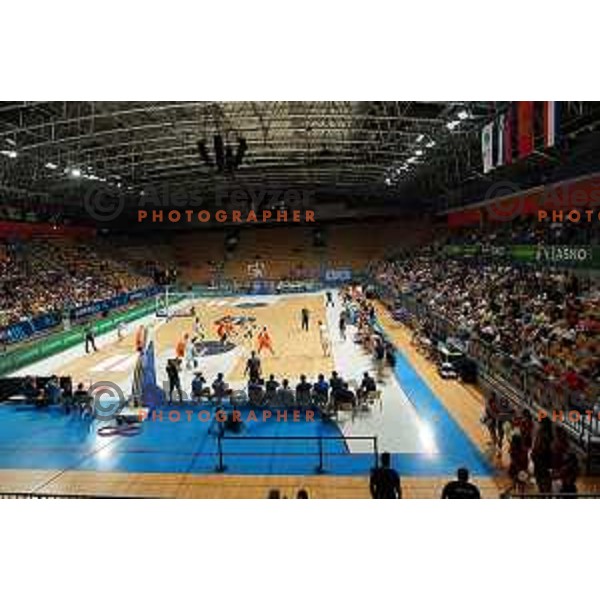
point(525, 425)
point(180, 347)
point(519, 461)
point(264, 341)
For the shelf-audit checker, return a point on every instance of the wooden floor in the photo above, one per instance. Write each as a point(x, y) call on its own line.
point(150, 485)
point(296, 352)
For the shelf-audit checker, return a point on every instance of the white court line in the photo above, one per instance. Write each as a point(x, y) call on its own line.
point(108, 363)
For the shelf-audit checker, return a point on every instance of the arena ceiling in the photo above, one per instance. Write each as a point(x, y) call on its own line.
point(350, 151)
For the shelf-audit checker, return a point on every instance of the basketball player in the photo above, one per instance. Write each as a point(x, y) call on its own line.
point(324, 338)
point(222, 332)
point(342, 325)
point(329, 297)
point(140, 338)
point(190, 354)
point(305, 318)
point(264, 341)
point(181, 347)
point(121, 331)
point(198, 329)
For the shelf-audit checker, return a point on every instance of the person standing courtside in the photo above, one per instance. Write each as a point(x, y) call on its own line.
point(253, 367)
point(385, 481)
point(305, 318)
point(90, 339)
point(461, 489)
point(329, 299)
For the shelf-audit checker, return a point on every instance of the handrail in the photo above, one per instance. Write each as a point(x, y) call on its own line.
point(528, 384)
point(58, 496)
point(320, 468)
point(513, 494)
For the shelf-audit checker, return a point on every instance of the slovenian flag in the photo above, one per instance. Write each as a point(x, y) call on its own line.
point(550, 123)
point(525, 128)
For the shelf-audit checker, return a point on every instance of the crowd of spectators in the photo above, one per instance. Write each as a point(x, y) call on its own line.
point(528, 230)
point(42, 277)
point(539, 316)
point(541, 319)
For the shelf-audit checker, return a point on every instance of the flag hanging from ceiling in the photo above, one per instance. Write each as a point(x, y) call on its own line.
point(500, 141)
point(508, 136)
point(525, 128)
point(550, 123)
point(487, 147)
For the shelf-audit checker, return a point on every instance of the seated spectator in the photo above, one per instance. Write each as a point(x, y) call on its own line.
point(220, 387)
point(53, 392)
point(30, 389)
point(81, 398)
point(303, 391)
point(256, 391)
point(461, 489)
point(271, 389)
point(285, 396)
point(384, 482)
point(199, 389)
point(343, 395)
point(321, 390)
point(367, 385)
point(336, 382)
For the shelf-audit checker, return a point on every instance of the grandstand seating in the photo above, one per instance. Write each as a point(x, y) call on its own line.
point(43, 276)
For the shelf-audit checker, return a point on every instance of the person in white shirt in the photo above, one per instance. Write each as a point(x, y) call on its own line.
point(323, 334)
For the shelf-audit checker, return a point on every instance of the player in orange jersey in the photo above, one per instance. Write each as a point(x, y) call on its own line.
point(140, 339)
point(264, 341)
point(181, 346)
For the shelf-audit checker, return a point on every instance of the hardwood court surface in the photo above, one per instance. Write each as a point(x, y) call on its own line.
point(296, 351)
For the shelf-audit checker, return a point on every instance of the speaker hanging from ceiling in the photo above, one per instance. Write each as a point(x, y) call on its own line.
point(229, 159)
point(219, 152)
point(203, 152)
point(241, 151)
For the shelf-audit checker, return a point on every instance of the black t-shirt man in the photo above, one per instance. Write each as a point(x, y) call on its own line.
point(461, 489)
point(385, 481)
point(253, 367)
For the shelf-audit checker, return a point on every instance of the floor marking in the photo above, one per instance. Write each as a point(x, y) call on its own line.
point(108, 363)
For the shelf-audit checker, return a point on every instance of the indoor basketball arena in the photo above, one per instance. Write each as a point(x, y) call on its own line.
point(321, 299)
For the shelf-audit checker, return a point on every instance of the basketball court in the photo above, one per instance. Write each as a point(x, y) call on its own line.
point(50, 452)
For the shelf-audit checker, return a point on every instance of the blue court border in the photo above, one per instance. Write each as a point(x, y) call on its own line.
point(49, 440)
